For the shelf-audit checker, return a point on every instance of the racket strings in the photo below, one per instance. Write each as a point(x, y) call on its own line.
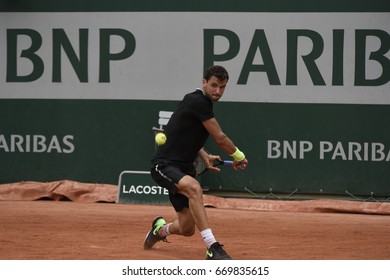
point(199, 165)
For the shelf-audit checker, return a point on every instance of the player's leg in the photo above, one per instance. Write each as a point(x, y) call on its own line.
point(191, 188)
point(168, 176)
point(186, 196)
point(163, 175)
point(184, 225)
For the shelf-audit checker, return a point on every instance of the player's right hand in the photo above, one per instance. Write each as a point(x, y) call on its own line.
point(240, 165)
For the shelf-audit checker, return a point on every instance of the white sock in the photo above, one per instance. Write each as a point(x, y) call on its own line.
point(164, 231)
point(208, 237)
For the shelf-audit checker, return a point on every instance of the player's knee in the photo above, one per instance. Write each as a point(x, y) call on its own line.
point(195, 190)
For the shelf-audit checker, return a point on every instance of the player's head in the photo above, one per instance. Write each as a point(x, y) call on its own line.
point(217, 71)
point(214, 82)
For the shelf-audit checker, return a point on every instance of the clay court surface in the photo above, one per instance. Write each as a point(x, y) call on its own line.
point(47, 229)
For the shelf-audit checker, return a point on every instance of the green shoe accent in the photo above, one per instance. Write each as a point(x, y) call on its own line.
point(216, 252)
point(158, 225)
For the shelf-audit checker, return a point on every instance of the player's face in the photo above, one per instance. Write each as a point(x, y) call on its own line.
point(214, 88)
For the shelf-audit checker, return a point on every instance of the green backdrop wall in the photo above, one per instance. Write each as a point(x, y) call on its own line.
point(82, 83)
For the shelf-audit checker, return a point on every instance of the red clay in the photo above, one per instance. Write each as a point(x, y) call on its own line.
point(46, 230)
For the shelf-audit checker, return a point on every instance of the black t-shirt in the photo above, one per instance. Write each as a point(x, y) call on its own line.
point(185, 132)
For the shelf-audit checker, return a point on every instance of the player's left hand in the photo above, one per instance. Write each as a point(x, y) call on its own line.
point(209, 162)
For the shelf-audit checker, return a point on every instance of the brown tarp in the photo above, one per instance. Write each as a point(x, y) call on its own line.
point(90, 193)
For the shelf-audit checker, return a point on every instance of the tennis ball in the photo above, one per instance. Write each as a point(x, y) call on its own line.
point(160, 138)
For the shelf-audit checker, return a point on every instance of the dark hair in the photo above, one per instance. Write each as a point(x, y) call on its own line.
point(217, 71)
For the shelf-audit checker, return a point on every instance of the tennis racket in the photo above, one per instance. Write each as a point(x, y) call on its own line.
point(201, 168)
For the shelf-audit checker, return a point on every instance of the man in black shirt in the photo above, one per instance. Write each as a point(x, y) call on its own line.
point(172, 165)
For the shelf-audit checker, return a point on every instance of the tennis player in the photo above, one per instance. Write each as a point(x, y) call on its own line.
point(172, 164)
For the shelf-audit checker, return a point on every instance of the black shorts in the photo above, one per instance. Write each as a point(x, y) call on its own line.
point(167, 175)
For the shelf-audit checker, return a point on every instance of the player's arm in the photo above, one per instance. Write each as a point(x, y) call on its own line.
point(225, 143)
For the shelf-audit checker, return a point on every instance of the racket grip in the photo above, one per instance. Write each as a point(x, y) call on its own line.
point(230, 163)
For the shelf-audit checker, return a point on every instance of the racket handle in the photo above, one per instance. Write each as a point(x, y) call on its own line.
point(230, 163)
